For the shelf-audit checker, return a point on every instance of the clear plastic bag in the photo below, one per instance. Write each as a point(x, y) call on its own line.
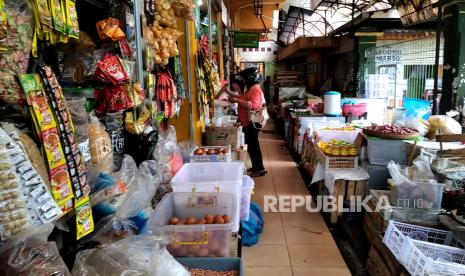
point(138, 255)
point(418, 124)
point(29, 253)
point(421, 169)
point(100, 146)
point(442, 124)
point(167, 151)
point(141, 185)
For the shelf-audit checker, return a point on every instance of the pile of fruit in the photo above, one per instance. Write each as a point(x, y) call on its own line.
point(337, 148)
point(211, 151)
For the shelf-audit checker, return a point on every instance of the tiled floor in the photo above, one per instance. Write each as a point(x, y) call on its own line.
point(292, 244)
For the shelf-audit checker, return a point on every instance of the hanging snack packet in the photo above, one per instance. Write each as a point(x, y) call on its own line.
point(58, 16)
point(71, 18)
point(42, 11)
point(110, 29)
point(84, 220)
point(110, 67)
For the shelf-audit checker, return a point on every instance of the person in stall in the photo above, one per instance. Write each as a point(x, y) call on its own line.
point(249, 98)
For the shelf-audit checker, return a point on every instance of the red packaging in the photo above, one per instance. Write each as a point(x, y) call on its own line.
point(101, 102)
point(117, 99)
point(111, 70)
point(124, 48)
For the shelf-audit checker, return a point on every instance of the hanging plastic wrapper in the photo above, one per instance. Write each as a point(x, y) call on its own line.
point(114, 125)
point(100, 146)
point(130, 216)
point(16, 30)
point(29, 253)
point(139, 255)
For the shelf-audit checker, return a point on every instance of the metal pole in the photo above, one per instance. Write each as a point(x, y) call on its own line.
point(189, 79)
point(139, 42)
point(210, 43)
point(436, 62)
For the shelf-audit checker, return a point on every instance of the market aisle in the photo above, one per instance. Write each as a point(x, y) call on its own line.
point(300, 243)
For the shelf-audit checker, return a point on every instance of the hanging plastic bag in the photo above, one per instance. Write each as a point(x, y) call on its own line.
point(138, 255)
point(29, 253)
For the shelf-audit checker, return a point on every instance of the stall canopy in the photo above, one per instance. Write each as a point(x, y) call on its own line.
point(321, 17)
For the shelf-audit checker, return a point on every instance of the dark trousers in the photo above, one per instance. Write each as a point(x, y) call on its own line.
point(253, 146)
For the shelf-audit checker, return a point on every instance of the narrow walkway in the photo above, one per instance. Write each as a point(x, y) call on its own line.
point(292, 244)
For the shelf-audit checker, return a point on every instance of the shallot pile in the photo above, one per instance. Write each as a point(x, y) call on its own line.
point(388, 129)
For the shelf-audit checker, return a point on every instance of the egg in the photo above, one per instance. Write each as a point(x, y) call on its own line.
point(219, 220)
point(181, 252)
point(222, 252)
point(213, 246)
point(203, 252)
point(193, 249)
point(226, 218)
point(174, 220)
point(210, 152)
point(181, 222)
point(201, 221)
point(199, 152)
point(190, 221)
point(209, 218)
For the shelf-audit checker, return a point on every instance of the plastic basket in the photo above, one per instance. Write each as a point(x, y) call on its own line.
point(247, 189)
point(397, 233)
point(336, 162)
point(189, 240)
point(381, 151)
point(355, 109)
point(425, 258)
point(192, 158)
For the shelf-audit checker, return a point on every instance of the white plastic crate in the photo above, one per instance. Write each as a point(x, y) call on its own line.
point(192, 158)
point(211, 177)
point(397, 233)
point(381, 151)
point(425, 258)
point(188, 240)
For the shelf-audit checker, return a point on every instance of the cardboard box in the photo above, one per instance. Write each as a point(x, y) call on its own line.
point(223, 136)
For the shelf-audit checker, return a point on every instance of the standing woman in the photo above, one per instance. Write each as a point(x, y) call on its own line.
point(251, 100)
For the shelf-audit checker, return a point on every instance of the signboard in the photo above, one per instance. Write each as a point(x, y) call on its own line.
point(246, 40)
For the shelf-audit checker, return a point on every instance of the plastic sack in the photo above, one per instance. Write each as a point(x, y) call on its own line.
point(141, 184)
point(421, 169)
point(442, 124)
point(419, 125)
point(138, 255)
point(396, 172)
point(100, 146)
point(167, 151)
point(29, 253)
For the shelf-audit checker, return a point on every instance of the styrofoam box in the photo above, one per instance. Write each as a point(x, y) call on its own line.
point(381, 151)
point(212, 177)
point(189, 240)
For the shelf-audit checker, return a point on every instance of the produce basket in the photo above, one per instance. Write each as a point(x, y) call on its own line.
point(192, 158)
point(397, 233)
point(195, 240)
point(425, 258)
point(216, 264)
point(337, 162)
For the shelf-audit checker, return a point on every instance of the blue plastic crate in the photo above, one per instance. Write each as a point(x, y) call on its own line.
point(218, 264)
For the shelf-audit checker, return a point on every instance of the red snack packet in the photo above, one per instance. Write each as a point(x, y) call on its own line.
point(100, 102)
point(124, 48)
point(112, 70)
point(117, 99)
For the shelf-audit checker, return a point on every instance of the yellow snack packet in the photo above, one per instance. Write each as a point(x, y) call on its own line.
point(84, 219)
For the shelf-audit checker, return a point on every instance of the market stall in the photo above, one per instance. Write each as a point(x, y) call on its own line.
point(90, 158)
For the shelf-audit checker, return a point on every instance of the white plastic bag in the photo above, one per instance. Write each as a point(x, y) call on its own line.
point(137, 255)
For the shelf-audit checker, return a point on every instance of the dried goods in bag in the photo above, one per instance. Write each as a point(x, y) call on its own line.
point(100, 146)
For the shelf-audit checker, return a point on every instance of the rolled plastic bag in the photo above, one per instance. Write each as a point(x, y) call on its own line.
point(137, 255)
point(29, 253)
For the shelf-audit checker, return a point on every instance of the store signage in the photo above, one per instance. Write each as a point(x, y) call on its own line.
point(246, 40)
point(388, 55)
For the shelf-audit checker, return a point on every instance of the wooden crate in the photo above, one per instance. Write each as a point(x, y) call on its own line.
point(346, 189)
point(336, 162)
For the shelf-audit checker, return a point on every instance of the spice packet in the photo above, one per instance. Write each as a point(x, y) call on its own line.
point(84, 220)
point(111, 69)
